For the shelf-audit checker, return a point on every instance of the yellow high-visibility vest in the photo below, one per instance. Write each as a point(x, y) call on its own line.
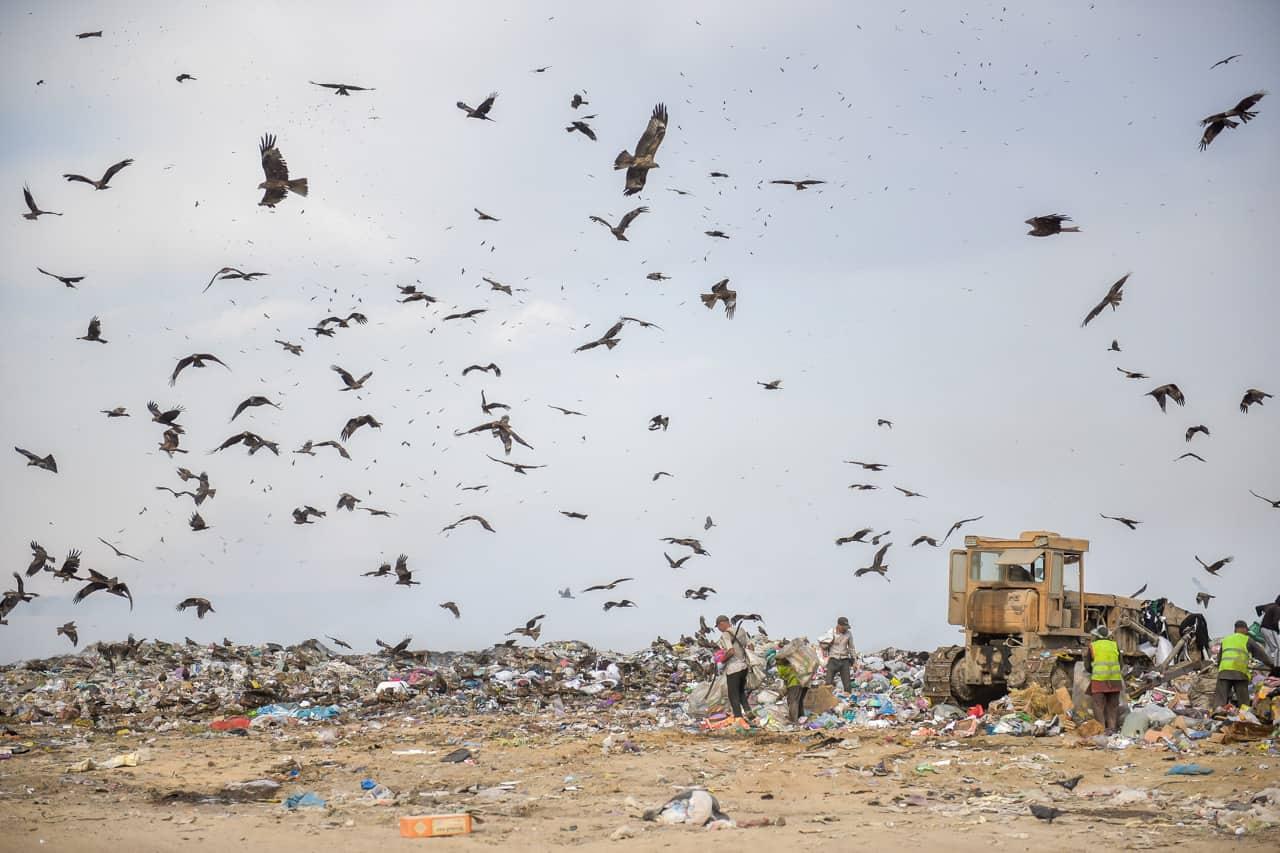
point(1106, 660)
point(1235, 654)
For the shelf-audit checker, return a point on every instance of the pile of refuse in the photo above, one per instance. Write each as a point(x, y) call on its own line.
point(236, 689)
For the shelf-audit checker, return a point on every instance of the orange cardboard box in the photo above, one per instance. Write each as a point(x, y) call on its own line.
point(432, 826)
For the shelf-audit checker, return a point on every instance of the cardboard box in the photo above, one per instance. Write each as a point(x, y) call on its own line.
point(436, 825)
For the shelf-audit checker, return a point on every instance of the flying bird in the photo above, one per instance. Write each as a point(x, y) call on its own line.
point(252, 402)
point(197, 523)
point(40, 559)
point(565, 593)
point(961, 523)
point(699, 594)
point(96, 34)
point(881, 422)
point(276, 184)
point(518, 467)
point(70, 565)
point(1050, 224)
point(1192, 455)
point(659, 422)
point(34, 212)
point(720, 292)
point(487, 368)
point(343, 643)
point(118, 552)
point(230, 273)
point(1203, 598)
point(1115, 346)
point(1225, 61)
point(661, 474)
point(530, 629)
point(800, 185)
point(1113, 298)
point(1139, 592)
point(500, 429)
point(184, 76)
point(1274, 504)
point(771, 385)
point(355, 423)
point(1243, 110)
point(856, 536)
point(863, 487)
point(692, 544)
point(1252, 396)
point(1201, 428)
point(929, 540)
point(1132, 374)
point(604, 586)
point(1127, 522)
point(397, 649)
point(106, 177)
point(609, 339)
point(582, 127)
point(717, 233)
point(626, 602)
point(476, 518)
point(1214, 567)
point(452, 608)
point(867, 466)
point(252, 441)
point(565, 411)
point(296, 349)
point(46, 462)
point(1213, 128)
point(69, 631)
point(194, 360)
point(68, 280)
point(577, 100)
point(404, 577)
point(499, 286)
point(341, 88)
point(1171, 391)
point(910, 493)
point(470, 314)
point(347, 501)
point(345, 322)
point(383, 571)
point(485, 217)
point(675, 564)
point(708, 524)
point(94, 333)
point(304, 514)
point(201, 605)
point(580, 516)
point(482, 111)
point(99, 581)
point(351, 383)
point(878, 565)
point(489, 408)
point(639, 164)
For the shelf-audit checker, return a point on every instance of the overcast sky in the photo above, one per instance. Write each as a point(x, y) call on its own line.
point(904, 288)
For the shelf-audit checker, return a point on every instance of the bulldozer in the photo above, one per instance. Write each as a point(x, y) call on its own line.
point(1026, 620)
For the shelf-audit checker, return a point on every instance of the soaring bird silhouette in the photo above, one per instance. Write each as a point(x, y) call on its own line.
point(518, 467)
point(1201, 428)
point(1225, 61)
point(341, 88)
point(252, 441)
point(1274, 504)
point(771, 385)
point(100, 184)
point(530, 629)
point(304, 514)
point(40, 559)
point(117, 551)
point(69, 631)
point(349, 381)
point(639, 164)
point(1242, 110)
point(355, 423)
point(486, 368)
point(252, 402)
point(452, 608)
point(197, 522)
point(878, 565)
point(99, 581)
point(1113, 298)
point(961, 523)
point(201, 605)
point(1127, 522)
point(692, 544)
point(699, 594)
point(1251, 397)
point(500, 429)
point(619, 231)
point(68, 280)
point(482, 111)
point(1050, 224)
point(675, 564)
point(276, 183)
point(1170, 391)
point(94, 333)
point(196, 359)
point(609, 585)
point(404, 577)
point(33, 210)
point(229, 273)
point(626, 602)
point(720, 292)
point(1214, 567)
point(479, 519)
point(856, 536)
point(48, 463)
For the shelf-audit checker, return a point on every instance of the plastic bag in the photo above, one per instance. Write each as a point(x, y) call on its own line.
point(707, 698)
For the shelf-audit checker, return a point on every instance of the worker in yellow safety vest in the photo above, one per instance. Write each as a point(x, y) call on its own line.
point(1105, 678)
point(1233, 665)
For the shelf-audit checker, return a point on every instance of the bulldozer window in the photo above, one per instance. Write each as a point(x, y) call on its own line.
point(983, 566)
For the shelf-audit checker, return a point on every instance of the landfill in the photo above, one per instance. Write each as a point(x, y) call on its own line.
point(558, 733)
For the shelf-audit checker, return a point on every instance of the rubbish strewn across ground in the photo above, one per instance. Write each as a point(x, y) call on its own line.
point(561, 745)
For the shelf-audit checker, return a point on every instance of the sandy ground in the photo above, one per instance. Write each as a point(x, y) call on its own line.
point(976, 799)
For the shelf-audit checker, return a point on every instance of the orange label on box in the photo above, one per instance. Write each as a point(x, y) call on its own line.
point(430, 826)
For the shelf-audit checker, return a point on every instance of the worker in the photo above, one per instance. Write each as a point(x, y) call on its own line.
point(838, 644)
point(1270, 614)
point(1233, 665)
point(796, 689)
point(733, 646)
point(1105, 679)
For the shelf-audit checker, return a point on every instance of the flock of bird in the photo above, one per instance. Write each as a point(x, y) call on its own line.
point(636, 164)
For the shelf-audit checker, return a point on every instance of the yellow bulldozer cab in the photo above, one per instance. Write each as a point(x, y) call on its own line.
point(1034, 583)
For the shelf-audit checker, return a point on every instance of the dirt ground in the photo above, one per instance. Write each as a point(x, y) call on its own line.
point(970, 795)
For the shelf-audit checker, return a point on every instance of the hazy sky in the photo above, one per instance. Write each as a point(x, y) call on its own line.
point(904, 288)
